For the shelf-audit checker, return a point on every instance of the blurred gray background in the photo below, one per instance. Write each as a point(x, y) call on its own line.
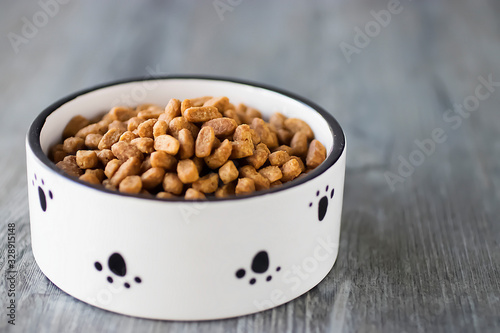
point(420, 236)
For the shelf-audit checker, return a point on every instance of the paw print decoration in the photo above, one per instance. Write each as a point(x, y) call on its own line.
point(117, 266)
point(42, 193)
point(259, 265)
point(323, 202)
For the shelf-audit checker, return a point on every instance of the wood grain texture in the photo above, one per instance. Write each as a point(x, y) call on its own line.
point(422, 258)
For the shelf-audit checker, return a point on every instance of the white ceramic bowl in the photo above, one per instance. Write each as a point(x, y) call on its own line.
point(182, 260)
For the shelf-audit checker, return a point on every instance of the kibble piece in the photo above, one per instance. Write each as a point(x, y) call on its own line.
point(73, 144)
point(299, 144)
point(165, 195)
point(276, 183)
point(98, 173)
point(121, 113)
point(243, 133)
point(245, 186)
point(284, 136)
point(221, 126)
point(105, 156)
point(128, 136)
point(277, 120)
point(75, 124)
point(201, 114)
point(272, 173)
point(145, 129)
point(125, 150)
point(130, 167)
point(219, 102)
point(172, 110)
point(301, 163)
point(160, 159)
point(152, 178)
point(199, 101)
point(160, 128)
point(220, 155)
point(186, 104)
point(230, 113)
point(225, 190)
point(279, 158)
point(179, 123)
point(207, 184)
point(131, 184)
point(118, 125)
point(112, 167)
point(290, 170)
point(316, 154)
point(146, 165)
point(186, 144)
point(58, 152)
point(241, 149)
point(253, 113)
point(259, 157)
point(260, 127)
point(167, 143)
point(99, 128)
point(68, 165)
point(187, 171)
point(92, 140)
point(192, 194)
point(228, 172)
point(200, 164)
point(172, 183)
point(151, 112)
point(90, 178)
point(261, 182)
point(110, 138)
point(286, 148)
point(86, 159)
point(205, 142)
point(133, 123)
point(295, 125)
point(145, 145)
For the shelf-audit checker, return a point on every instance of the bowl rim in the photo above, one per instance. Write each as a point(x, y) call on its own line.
point(33, 136)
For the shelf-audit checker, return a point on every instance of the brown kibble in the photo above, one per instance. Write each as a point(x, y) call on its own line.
point(271, 173)
point(199, 101)
point(179, 123)
point(172, 183)
point(284, 148)
point(98, 173)
point(160, 159)
point(228, 172)
point(277, 120)
point(128, 136)
point(243, 133)
point(73, 144)
point(130, 167)
point(105, 156)
point(75, 124)
point(134, 123)
point(110, 138)
point(167, 143)
point(152, 178)
point(192, 194)
point(186, 142)
point(201, 113)
point(98, 128)
point(290, 170)
point(145, 129)
point(112, 167)
point(207, 184)
point(187, 171)
point(261, 183)
point(276, 183)
point(90, 178)
point(241, 149)
point(145, 145)
point(219, 102)
point(299, 144)
point(301, 163)
point(226, 190)
point(284, 136)
point(220, 155)
point(68, 165)
point(92, 140)
point(131, 184)
point(146, 165)
point(151, 112)
point(116, 124)
point(295, 125)
point(253, 113)
point(259, 157)
point(160, 128)
point(245, 186)
point(266, 136)
point(165, 195)
point(121, 113)
point(125, 150)
point(316, 154)
point(172, 110)
point(230, 113)
point(199, 162)
point(221, 126)
point(86, 159)
point(205, 142)
point(186, 104)
point(279, 158)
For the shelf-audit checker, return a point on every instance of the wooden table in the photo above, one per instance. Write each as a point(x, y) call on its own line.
point(419, 248)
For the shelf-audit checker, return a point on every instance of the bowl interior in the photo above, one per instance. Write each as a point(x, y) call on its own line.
point(96, 102)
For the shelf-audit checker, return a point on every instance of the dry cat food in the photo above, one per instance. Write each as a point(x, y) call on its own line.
point(196, 148)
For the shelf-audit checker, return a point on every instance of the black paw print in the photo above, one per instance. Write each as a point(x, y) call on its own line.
point(41, 193)
point(323, 203)
point(260, 265)
point(116, 264)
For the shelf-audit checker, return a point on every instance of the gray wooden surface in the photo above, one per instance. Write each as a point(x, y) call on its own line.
point(423, 256)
